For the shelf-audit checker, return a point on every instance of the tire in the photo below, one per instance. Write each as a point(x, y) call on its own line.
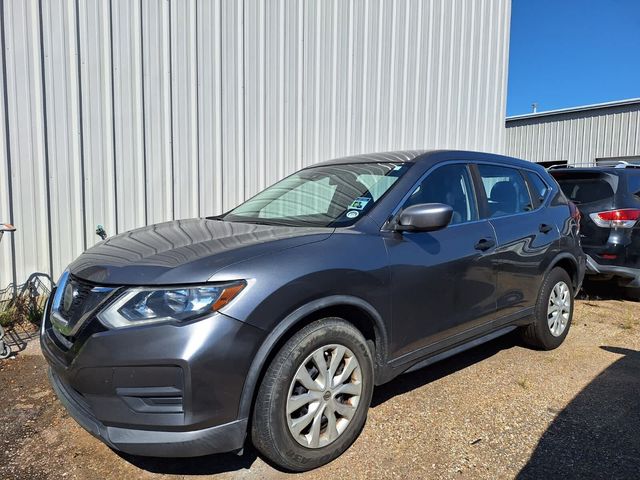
point(5, 351)
point(279, 411)
point(548, 331)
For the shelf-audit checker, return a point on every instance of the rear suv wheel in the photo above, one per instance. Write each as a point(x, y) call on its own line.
point(553, 312)
point(313, 400)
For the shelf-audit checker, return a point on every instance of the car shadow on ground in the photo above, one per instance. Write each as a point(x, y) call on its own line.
point(598, 434)
point(17, 337)
point(412, 380)
point(207, 465)
point(595, 290)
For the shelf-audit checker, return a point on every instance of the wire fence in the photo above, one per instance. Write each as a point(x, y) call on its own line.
point(21, 309)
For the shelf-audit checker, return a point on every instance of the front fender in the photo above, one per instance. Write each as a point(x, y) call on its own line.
point(288, 324)
point(288, 286)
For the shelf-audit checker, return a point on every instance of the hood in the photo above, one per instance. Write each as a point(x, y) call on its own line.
point(184, 251)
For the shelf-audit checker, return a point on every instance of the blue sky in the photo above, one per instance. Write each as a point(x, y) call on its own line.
point(565, 53)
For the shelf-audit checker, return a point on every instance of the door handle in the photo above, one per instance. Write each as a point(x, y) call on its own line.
point(485, 244)
point(544, 228)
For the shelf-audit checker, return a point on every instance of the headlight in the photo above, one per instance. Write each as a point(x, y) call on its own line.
point(141, 306)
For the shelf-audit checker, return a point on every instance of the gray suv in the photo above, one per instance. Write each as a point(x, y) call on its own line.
point(277, 319)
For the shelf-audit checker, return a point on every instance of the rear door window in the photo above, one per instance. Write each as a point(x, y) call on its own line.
point(506, 190)
point(586, 187)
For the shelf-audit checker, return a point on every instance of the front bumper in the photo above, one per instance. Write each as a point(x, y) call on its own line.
point(630, 276)
point(165, 390)
point(221, 438)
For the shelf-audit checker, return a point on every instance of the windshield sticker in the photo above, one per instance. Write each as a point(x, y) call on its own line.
point(359, 203)
point(352, 214)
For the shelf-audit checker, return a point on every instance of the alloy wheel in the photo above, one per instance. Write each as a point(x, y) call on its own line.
point(323, 396)
point(559, 308)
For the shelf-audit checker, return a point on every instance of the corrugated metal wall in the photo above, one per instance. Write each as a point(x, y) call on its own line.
point(129, 112)
point(579, 137)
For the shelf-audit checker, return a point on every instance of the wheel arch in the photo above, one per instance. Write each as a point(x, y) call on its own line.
point(353, 309)
point(568, 263)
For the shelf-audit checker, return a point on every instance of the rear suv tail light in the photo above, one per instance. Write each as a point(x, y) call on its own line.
point(623, 218)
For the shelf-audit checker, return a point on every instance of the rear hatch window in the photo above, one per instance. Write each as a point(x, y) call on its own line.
point(591, 192)
point(587, 187)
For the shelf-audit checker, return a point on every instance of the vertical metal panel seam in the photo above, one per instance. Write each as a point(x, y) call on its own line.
point(334, 75)
point(300, 82)
point(280, 166)
point(197, 111)
point(377, 114)
point(7, 129)
point(173, 166)
point(46, 139)
point(350, 60)
point(365, 69)
point(242, 101)
point(402, 140)
point(221, 106)
point(80, 123)
point(392, 77)
point(113, 121)
point(144, 118)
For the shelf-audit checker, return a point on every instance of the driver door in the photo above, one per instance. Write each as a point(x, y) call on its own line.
point(442, 282)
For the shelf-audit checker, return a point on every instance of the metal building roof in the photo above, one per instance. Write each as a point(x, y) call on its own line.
point(561, 111)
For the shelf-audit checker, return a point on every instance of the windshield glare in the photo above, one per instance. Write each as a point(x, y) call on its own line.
point(331, 195)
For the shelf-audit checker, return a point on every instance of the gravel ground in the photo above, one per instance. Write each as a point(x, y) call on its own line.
point(498, 411)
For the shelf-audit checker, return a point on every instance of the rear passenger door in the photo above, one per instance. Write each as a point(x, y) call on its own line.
point(525, 232)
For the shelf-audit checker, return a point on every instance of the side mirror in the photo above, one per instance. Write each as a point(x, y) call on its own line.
point(424, 217)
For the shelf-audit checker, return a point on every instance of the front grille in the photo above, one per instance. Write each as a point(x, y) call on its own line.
point(83, 300)
point(86, 298)
point(74, 304)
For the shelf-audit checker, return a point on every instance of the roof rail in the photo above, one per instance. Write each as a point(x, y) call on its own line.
point(623, 164)
point(553, 167)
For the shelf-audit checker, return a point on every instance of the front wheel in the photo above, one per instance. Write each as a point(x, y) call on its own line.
point(313, 400)
point(553, 312)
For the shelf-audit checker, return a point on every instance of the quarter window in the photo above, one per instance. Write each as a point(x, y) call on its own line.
point(451, 185)
point(540, 188)
point(506, 190)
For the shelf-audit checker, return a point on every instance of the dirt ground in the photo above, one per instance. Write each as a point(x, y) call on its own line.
point(500, 410)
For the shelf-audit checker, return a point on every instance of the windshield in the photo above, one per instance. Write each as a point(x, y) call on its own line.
point(331, 195)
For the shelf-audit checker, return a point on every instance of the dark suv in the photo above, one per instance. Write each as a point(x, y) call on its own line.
point(279, 317)
point(609, 201)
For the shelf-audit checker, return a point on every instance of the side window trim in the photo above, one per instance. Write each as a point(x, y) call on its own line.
point(481, 195)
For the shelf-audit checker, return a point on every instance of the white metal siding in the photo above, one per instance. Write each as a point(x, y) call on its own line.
point(579, 137)
point(126, 113)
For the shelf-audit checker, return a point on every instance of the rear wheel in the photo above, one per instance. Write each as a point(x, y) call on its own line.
point(313, 400)
point(553, 312)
